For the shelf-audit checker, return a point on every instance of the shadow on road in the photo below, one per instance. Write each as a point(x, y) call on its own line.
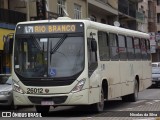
point(10, 108)
point(85, 111)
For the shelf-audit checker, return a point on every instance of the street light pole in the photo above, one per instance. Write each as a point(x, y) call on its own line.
point(28, 13)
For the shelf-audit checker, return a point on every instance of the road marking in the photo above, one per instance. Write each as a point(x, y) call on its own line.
point(88, 118)
point(140, 106)
point(139, 101)
point(156, 100)
point(149, 103)
point(146, 119)
point(129, 108)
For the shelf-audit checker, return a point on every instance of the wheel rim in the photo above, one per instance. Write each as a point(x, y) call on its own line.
point(136, 90)
point(101, 103)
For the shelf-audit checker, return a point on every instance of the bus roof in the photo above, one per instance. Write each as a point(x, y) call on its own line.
point(95, 25)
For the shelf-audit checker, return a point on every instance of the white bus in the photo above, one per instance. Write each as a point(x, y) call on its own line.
point(78, 62)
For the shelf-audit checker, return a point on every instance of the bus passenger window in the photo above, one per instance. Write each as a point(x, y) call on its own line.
point(130, 48)
point(137, 49)
point(144, 49)
point(103, 46)
point(114, 54)
point(122, 47)
point(148, 50)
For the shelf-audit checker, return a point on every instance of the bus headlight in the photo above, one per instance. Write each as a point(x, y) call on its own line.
point(79, 86)
point(17, 88)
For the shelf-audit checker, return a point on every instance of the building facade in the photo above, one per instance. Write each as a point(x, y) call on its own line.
point(158, 15)
point(153, 8)
point(129, 16)
point(142, 16)
point(104, 11)
point(75, 9)
point(134, 14)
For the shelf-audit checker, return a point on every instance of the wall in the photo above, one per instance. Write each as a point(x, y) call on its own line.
point(52, 4)
point(103, 9)
point(17, 5)
point(113, 3)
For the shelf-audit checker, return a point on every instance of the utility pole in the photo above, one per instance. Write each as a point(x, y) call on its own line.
point(28, 12)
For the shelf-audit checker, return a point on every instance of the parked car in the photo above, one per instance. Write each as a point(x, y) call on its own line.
point(155, 64)
point(6, 91)
point(156, 74)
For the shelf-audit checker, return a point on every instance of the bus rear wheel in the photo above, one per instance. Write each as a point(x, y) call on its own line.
point(99, 107)
point(132, 97)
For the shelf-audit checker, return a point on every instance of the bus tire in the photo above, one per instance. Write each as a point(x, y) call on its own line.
point(42, 109)
point(132, 97)
point(99, 107)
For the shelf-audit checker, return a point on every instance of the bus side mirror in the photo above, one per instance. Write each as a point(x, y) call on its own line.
point(94, 45)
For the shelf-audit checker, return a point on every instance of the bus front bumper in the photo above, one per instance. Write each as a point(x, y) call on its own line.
point(52, 99)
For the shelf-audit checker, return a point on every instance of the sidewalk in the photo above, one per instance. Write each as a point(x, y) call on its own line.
point(150, 109)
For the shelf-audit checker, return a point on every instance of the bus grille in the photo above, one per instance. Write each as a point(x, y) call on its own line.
point(47, 82)
point(55, 99)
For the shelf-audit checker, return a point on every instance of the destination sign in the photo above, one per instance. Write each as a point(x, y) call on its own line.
point(49, 28)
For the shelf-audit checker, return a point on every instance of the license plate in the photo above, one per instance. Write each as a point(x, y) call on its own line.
point(47, 103)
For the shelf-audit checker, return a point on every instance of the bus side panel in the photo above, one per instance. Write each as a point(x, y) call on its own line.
point(138, 70)
point(127, 77)
point(114, 81)
point(146, 74)
point(95, 87)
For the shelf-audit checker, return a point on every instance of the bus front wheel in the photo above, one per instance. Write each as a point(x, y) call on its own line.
point(99, 107)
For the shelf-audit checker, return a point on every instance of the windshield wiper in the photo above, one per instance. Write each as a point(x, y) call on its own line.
point(35, 42)
point(56, 47)
point(59, 43)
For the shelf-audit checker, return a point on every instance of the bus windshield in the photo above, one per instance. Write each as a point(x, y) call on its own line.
point(59, 55)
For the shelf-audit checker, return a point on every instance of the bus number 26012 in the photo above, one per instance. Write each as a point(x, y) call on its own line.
point(34, 90)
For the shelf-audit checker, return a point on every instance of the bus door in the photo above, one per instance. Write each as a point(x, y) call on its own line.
point(94, 72)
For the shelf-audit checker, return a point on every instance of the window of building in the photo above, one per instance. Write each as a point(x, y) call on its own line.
point(60, 7)
point(142, 7)
point(103, 21)
point(1, 3)
point(77, 11)
point(103, 46)
point(130, 48)
point(158, 17)
point(114, 54)
point(158, 2)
